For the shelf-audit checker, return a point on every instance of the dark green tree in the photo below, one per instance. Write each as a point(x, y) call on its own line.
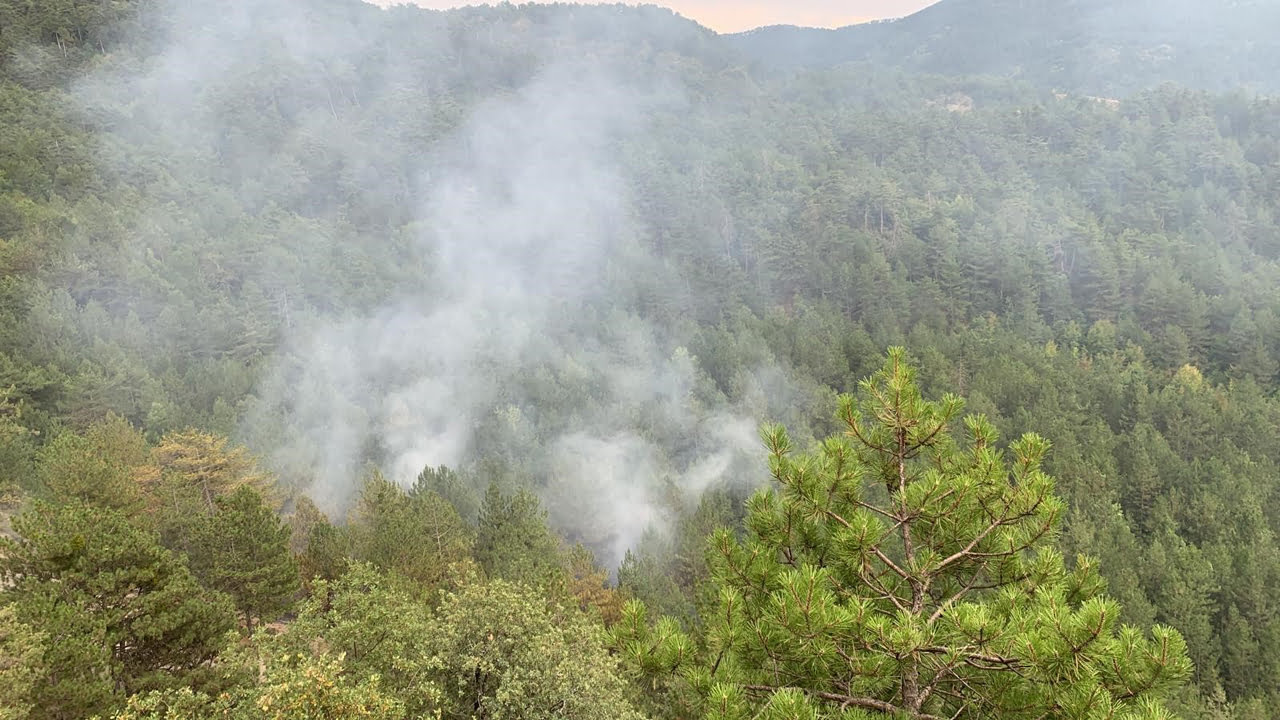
point(17, 454)
point(126, 613)
point(513, 540)
point(320, 547)
point(242, 550)
point(453, 486)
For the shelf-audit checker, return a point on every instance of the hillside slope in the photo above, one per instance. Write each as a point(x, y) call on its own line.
point(1103, 48)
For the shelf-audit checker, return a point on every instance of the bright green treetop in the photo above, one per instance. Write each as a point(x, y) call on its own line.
point(899, 571)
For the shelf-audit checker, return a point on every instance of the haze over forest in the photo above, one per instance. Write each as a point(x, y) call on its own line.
point(727, 16)
point(578, 361)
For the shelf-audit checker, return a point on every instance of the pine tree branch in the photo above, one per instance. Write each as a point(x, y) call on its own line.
point(915, 449)
point(889, 563)
point(1000, 522)
point(875, 584)
point(848, 701)
point(971, 654)
point(888, 515)
point(853, 428)
point(874, 549)
point(970, 586)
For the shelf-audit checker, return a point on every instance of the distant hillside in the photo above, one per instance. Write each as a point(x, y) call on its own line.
point(1096, 46)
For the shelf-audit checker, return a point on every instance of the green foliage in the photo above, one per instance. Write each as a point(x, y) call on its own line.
point(505, 652)
point(378, 627)
point(455, 487)
point(1088, 46)
point(180, 704)
point(588, 584)
point(292, 687)
point(326, 554)
point(645, 574)
point(188, 473)
point(17, 454)
point(303, 687)
point(190, 470)
point(242, 550)
point(669, 572)
point(903, 572)
point(1102, 270)
point(96, 467)
point(127, 614)
point(321, 548)
point(513, 540)
point(419, 536)
point(21, 656)
point(492, 649)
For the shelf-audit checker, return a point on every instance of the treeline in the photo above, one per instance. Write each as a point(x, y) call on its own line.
point(161, 582)
point(152, 581)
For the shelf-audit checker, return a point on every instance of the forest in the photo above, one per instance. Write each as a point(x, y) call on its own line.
point(574, 361)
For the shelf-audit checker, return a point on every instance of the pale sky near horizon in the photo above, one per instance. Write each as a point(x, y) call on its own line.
point(738, 15)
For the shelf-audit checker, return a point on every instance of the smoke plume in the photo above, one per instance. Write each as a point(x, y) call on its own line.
point(506, 325)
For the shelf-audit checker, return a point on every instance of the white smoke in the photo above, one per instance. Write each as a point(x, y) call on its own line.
point(506, 328)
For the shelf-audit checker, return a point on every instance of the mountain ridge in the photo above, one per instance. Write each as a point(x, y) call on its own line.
point(1086, 46)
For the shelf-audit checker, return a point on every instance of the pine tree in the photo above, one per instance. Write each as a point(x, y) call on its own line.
point(588, 584)
point(21, 652)
point(420, 537)
point(17, 454)
point(189, 472)
point(451, 485)
point(513, 540)
point(320, 547)
point(120, 612)
point(243, 551)
point(898, 571)
point(96, 467)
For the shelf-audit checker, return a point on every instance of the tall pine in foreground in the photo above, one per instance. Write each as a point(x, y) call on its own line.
point(900, 571)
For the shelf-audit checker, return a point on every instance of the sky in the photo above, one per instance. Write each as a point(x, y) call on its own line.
point(738, 15)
